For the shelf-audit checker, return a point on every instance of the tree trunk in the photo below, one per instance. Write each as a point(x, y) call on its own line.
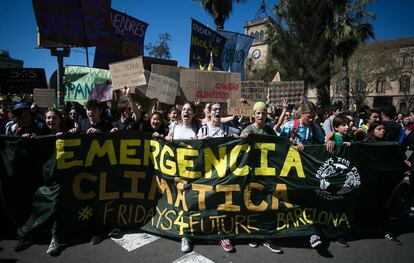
point(323, 96)
point(345, 83)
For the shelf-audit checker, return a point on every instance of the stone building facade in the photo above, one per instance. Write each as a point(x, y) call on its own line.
point(258, 51)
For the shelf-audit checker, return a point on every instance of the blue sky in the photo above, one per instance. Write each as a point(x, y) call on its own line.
point(394, 20)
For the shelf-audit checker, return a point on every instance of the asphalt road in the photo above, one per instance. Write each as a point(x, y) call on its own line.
point(166, 250)
point(146, 248)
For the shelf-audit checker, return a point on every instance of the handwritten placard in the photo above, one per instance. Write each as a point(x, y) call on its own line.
point(238, 108)
point(162, 88)
point(44, 97)
point(84, 83)
point(210, 85)
point(253, 90)
point(128, 73)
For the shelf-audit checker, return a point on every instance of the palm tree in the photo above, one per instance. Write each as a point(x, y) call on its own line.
point(219, 9)
point(350, 29)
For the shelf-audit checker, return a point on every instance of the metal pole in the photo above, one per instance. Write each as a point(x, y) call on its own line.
point(87, 56)
point(60, 89)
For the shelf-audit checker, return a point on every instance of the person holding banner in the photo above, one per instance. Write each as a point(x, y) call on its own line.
point(216, 129)
point(154, 125)
point(130, 113)
point(259, 127)
point(185, 129)
point(187, 126)
point(94, 122)
point(24, 123)
point(54, 121)
point(303, 131)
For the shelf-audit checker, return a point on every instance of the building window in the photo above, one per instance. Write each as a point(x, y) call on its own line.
point(256, 37)
point(261, 36)
point(338, 87)
point(380, 87)
point(406, 59)
point(403, 107)
point(405, 83)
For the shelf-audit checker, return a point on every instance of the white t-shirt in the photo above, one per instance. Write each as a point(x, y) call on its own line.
point(182, 132)
point(216, 132)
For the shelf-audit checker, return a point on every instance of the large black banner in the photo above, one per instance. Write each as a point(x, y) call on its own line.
point(130, 34)
point(259, 187)
point(205, 41)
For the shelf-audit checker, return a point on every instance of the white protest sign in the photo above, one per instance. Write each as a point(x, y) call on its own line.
point(162, 88)
point(253, 91)
point(128, 73)
point(44, 97)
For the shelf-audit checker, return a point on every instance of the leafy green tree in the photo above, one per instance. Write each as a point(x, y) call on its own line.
point(298, 42)
point(220, 10)
point(350, 29)
point(161, 49)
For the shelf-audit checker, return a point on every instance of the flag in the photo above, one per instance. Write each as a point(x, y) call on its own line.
point(235, 51)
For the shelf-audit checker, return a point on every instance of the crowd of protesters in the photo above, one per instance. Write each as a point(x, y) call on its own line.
point(303, 126)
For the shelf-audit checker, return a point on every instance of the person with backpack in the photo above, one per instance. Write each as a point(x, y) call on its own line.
point(216, 129)
point(303, 131)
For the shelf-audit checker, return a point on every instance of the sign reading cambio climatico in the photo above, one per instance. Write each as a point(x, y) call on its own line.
point(128, 73)
point(210, 85)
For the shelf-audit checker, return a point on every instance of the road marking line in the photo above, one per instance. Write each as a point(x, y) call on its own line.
point(193, 257)
point(133, 241)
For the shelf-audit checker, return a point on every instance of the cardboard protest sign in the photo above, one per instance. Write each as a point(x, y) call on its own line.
point(162, 88)
point(16, 80)
point(129, 35)
point(253, 91)
point(128, 73)
point(235, 51)
point(204, 41)
point(73, 23)
point(83, 84)
point(293, 91)
point(210, 85)
point(44, 97)
point(238, 108)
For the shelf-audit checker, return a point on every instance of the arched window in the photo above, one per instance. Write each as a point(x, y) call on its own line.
point(380, 87)
point(405, 83)
point(403, 107)
point(256, 36)
point(338, 87)
point(406, 59)
point(261, 36)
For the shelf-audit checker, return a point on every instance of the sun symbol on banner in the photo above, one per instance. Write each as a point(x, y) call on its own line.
point(85, 213)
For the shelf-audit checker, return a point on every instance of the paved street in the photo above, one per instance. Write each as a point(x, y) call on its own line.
point(146, 248)
point(141, 247)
